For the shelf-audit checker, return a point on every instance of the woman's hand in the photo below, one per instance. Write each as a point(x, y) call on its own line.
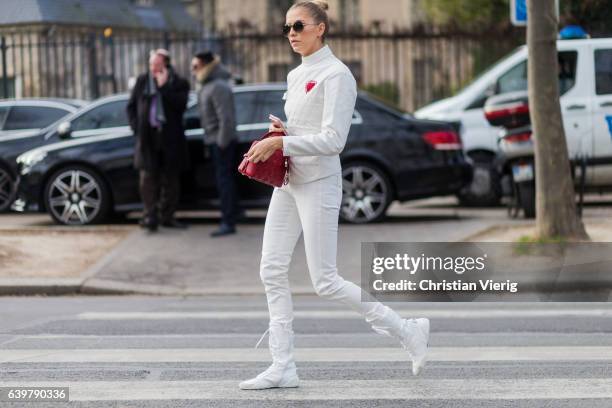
point(276, 125)
point(263, 149)
point(275, 128)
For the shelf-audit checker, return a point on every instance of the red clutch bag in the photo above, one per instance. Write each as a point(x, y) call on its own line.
point(274, 171)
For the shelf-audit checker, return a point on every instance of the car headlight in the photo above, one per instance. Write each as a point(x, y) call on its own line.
point(29, 159)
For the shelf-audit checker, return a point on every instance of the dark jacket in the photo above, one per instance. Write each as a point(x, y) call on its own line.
point(173, 143)
point(216, 103)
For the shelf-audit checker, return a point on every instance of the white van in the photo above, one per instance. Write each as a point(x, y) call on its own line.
point(585, 75)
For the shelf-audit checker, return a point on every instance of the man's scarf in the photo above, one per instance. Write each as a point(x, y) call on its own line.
point(156, 97)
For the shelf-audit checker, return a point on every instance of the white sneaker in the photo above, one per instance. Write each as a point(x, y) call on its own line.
point(415, 340)
point(283, 372)
point(275, 376)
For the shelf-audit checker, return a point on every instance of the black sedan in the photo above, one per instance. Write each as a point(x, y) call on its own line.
point(21, 124)
point(388, 156)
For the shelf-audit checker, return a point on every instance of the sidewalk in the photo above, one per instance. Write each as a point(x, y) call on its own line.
point(51, 259)
point(189, 262)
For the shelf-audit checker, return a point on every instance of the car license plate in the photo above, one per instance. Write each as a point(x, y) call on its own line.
point(522, 172)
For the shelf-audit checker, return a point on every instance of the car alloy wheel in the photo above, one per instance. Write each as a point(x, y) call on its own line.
point(75, 197)
point(366, 193)
point(7, 189)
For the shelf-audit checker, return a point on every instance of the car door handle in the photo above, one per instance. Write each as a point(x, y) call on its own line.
point(606, 104)
point(576, 107)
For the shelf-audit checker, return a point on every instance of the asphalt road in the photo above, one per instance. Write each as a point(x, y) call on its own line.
point(193, 351)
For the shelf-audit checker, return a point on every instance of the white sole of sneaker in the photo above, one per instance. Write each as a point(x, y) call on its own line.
point(290, 383)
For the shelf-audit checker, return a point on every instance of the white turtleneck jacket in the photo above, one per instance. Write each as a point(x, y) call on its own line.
point(319, 105)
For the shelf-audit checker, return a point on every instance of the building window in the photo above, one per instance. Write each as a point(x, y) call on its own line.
point(277, 9)
point(349, 14)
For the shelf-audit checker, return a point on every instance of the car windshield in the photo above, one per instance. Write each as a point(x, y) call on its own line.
point(386, 104)
point(53, 127)
point(486, 72)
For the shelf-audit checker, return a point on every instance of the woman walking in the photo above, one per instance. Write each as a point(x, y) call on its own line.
point(319, 106)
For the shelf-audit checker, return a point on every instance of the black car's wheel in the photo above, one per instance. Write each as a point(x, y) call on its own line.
point(485, 188)
point(76, 195)
point(366, 193)
point(7, 189)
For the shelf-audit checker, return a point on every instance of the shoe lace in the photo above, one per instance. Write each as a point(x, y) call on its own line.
point(274, 364)
point(262, 337)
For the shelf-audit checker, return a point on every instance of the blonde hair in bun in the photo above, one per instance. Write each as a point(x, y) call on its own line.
point(322, 4)
point(318, 11)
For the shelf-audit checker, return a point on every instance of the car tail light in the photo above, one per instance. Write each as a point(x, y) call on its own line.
point(511, 109)
point(443, 140)
point(518, 137)
point(508, 115)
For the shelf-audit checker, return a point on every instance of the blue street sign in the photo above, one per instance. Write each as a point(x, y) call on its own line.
point(518, 12)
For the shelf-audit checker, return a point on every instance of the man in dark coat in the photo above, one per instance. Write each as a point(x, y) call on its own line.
point(155, 111)
point(218, 118)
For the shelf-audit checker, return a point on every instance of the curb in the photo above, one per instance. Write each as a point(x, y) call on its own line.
point(88, 284)
point(106, 286)
point(491, 228)
point(39, 286)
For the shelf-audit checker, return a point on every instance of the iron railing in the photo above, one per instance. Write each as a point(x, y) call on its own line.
point(408, 69)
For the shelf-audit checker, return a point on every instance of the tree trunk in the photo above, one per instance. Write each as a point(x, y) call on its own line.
point(555, 197)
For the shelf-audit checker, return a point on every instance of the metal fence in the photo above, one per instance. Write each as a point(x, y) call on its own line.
point(408, 69)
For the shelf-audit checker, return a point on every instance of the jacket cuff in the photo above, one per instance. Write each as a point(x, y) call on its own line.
point(286, 145)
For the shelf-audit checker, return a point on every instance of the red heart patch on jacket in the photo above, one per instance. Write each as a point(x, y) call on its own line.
point(310, 85)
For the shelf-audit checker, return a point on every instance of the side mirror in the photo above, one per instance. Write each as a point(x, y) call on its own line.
point(64, 130)
point(491, 90)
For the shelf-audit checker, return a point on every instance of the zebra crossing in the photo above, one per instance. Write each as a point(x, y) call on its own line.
point(149, 352)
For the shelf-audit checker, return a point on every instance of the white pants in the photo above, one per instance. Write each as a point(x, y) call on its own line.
point(312, 208)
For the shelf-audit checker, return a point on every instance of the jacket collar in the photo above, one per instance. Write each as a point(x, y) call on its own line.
point(317, 56)
point(204, 75)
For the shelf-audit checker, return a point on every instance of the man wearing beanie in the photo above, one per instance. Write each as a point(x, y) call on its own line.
point(218, 118)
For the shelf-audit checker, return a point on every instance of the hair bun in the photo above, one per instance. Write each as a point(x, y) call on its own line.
point(322, 4)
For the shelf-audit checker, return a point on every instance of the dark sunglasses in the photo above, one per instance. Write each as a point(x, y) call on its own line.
point(298, 27)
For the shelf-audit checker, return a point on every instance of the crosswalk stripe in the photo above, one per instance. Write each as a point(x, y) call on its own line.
point(558, 353)
point(170, 336)
point(410, 388)
point(342, 314)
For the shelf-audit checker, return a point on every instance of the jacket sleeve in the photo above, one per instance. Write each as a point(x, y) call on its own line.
point(176, 96)
point(340, 95)
point(222, 99)
point(132, 105)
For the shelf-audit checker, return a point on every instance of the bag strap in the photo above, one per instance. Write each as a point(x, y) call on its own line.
point(269, 134)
